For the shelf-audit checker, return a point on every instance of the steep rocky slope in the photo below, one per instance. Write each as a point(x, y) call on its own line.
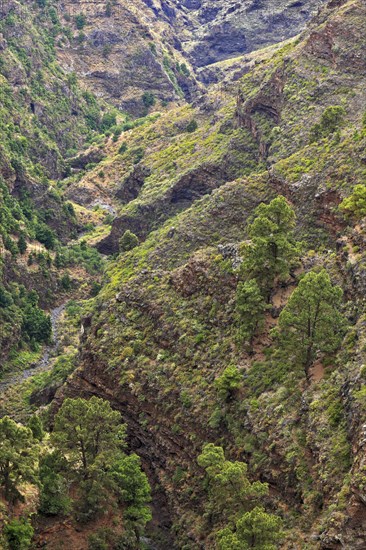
point(123, 51)
point(45, 117)
point(163, 328)
point(227, 29)
point(119, 52)
point(186, 179)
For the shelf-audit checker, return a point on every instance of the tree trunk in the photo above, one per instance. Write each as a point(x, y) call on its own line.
point(83, 458)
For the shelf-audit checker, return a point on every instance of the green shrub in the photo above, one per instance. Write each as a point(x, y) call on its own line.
point(184, 69)
point(108, 120)
point(192, 126)
point(52, 13)
point(22, 243)
point(80, 21)
point(228, 382)
point(329, 123)
point(107, 48)
point(36, 427)
point(65, 282)
point(138, 154)
point(54, 499)
point(6, 298)
point(45, 235)
point(128, 241)
point(19, 533)
point(148, 99)
point(123, 148)
point(108, 9)
point(355, 204)
point(36, 324)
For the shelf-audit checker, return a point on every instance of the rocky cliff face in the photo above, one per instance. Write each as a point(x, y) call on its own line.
point(119, 53)
point(224, 29)
point(123, 51)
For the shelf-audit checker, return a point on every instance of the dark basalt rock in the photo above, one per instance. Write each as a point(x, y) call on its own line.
point(103, 38)
point(222, 43)
point(147, 217)
point(130, 187)
point(44, 396)
point(230, 29)
point(192, 4)
point(208, 14)
point(92, 156)
point(168, 10)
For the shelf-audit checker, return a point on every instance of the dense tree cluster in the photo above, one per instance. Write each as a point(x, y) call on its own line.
point(234, 500)
point(21, 307)
point(82, 471)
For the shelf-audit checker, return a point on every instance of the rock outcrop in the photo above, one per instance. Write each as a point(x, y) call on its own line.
point(125, 50)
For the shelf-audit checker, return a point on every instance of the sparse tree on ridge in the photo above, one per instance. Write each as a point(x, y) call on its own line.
point(312, 322)
point(250, 309)
point(272, 250)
